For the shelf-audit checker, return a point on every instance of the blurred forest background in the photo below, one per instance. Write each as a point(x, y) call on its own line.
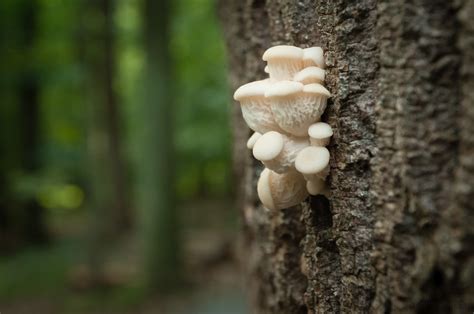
point(115, 180)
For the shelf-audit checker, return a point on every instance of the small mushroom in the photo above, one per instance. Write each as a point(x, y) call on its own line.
point(320, 134)
point(316, 186)
point(252, 139)
point(296, 106)
point(313, 163)
point(256, 110)
point(278, 191)
point(283, 61)
point(314, 56)
point(310, 75)
point(277, 151)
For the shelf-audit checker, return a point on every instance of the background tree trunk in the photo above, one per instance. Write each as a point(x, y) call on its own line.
point(29, 103)
point(396, 234)
point(156, 166)
point(108, 202)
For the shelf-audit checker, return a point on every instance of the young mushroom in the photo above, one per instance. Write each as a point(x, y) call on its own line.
point(277, 151)
point(256, 110)
point(320, 134)
point(313, 163)
point(252, 139)
point(310, 75)
point(278, 191)
point(317, 186)
point(313, 56)
point(283, 61)
point(296, 106)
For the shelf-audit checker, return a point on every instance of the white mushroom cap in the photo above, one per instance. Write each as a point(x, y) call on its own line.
point(278, 151)
point(278, 191)
point(320, 133)
point(316, 186)
point(256, 110)
point(310, 75)
point(313, 162)
point(252, 89)
point(296, 106)
point(284, 88)
point(263, 189)
point(252, 139)
point(268, 146)
point(317, 89)
point(282, 52)
point(314, 56)
point(283, 62)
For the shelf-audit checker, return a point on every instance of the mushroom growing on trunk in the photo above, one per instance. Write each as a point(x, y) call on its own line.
point(277, 151)
point(278, 191)
point(283, 62)
point(255, 107)
point(296, 106)
point(313, 162)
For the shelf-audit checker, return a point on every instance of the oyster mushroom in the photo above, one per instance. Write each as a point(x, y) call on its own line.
point(316, 186)
point(256, 110)
point(278, 191)
point(320, 134)
point(310, 75)
point(277, 151)
point(314, 56)
point(313, 163)
point(252, 139)
point(296, 106)
point(283, 61)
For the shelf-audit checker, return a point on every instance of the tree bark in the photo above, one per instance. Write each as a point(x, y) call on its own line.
point(395, 235)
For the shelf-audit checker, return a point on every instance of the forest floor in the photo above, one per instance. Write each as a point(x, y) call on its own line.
point(54, 279)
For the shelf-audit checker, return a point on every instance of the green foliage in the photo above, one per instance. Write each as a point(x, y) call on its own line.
point(202, 111)
point(202, 130)
point(37, 270)
point(201, 140)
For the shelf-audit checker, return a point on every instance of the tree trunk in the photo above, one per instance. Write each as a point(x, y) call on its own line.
point(120, 200)
point(156, 167)
point(395, 234)
point(108, 198)
point(29, 114)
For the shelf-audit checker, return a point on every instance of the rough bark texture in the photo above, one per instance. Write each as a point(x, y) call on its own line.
point(395, 235)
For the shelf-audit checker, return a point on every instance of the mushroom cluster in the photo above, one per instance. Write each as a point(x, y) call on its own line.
point(285, 111)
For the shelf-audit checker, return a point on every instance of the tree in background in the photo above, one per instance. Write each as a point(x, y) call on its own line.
point(157, 184)
point(29, 114)
point(396, 234)
point(107, 182)
point(22, 217)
